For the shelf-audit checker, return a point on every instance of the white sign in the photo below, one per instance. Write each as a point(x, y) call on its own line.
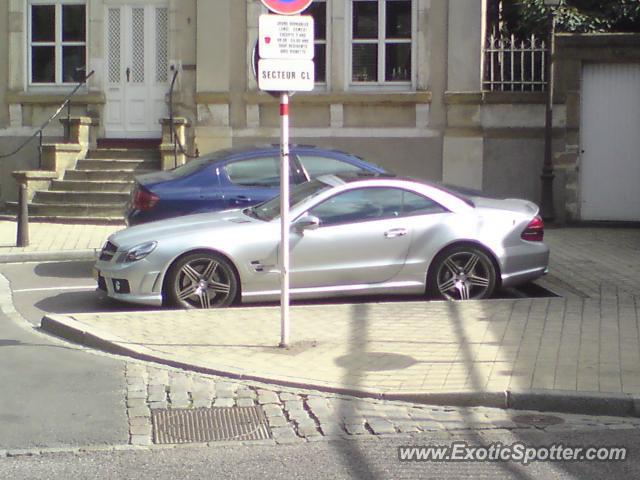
point(288, 37)
point(286, 75)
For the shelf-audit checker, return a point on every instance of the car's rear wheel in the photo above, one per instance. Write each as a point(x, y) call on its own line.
point(201, 280)
point(462, 272)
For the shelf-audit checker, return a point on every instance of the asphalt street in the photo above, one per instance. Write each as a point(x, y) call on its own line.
point(353, 459)
point(55, 395)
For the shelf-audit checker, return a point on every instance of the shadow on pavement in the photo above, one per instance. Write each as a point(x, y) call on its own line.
point(476, 384)
point(86, 302)
point(17, 343)
point(353, 452)
point(71, 269)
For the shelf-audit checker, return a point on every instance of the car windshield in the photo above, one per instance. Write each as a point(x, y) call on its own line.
point(270, 209)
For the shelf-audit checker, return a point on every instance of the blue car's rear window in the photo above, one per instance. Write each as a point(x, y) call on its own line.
point(197, 163)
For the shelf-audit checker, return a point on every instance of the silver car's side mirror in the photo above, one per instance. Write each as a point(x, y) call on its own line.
point(306, 222)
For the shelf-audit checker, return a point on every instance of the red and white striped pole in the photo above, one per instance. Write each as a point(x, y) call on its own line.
point(284, 220)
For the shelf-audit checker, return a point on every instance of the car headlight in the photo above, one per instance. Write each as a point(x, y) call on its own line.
point(138, 252)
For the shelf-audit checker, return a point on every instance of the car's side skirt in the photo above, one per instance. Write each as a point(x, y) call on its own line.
point(404, 287)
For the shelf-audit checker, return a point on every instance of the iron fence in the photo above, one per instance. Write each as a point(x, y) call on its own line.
point(514, 64)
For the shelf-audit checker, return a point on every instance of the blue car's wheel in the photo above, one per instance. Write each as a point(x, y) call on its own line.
point(201, 280)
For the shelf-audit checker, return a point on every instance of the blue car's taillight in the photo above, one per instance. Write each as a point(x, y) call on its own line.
point(143, 199)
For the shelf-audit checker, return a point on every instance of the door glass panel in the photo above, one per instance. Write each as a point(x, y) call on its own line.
point(137, 39)
point(114, 45)
point(360, 205)
point(43, 23)
point(162, 63)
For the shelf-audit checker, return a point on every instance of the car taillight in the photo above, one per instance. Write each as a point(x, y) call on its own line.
point(143, 199)
point(534, 231)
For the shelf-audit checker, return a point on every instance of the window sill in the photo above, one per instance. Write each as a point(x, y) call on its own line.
point(353, 98)
point(50, 98)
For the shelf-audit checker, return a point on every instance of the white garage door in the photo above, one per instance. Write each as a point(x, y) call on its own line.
point(610, 142)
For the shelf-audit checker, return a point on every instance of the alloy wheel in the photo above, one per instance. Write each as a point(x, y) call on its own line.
point(202, 281)
point(464, 274)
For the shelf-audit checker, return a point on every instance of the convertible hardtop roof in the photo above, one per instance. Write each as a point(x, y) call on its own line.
point(464, 194)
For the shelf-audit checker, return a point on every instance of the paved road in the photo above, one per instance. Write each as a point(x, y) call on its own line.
point(56, 396)
point(370, 460)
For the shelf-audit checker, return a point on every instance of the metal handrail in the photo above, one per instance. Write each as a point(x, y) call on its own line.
point(176, 140)
point(65, 103)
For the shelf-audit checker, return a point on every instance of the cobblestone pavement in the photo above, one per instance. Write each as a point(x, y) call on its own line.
point(593, 262)
point(298, 416)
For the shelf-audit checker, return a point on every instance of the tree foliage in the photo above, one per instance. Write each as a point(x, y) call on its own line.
point(523, 17)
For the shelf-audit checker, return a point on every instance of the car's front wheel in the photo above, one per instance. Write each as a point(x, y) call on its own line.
point(201, 280)
point(462, 272)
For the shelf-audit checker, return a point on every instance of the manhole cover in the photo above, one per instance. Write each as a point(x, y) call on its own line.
point(375, 361)
point(198, 425)
point(539, 421)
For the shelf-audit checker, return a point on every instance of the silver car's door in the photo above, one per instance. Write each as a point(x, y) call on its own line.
point(362, 239)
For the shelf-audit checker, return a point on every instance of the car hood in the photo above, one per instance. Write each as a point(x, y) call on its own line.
point(187, 225)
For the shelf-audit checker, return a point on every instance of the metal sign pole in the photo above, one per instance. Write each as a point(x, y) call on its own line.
point(284, 219)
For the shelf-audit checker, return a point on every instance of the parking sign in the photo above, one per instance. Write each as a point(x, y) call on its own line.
point(286, 7)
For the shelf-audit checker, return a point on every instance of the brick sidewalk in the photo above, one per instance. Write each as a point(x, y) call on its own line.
point(53, 240)
point(497, 345)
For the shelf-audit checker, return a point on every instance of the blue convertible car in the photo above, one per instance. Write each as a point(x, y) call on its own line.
point(232, 178)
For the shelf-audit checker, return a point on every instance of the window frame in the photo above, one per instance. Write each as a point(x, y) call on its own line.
point(58, 42)
point(381, 42)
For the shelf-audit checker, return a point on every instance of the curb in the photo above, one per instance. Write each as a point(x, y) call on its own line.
point(589, 403)
point(62, 255)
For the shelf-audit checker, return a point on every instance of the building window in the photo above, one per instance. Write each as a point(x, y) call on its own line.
point(318, 10)
point(57, 41)
point(381, 42)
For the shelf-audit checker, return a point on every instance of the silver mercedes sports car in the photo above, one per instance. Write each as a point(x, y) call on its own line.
point(348, 236)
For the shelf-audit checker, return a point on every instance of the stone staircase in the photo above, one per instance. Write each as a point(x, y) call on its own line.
point(96, 190)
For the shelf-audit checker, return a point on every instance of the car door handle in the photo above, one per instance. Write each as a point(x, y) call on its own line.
point(241, 199)
point(395, 232)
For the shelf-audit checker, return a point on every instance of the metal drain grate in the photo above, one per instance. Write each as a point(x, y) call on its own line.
point(198, 425)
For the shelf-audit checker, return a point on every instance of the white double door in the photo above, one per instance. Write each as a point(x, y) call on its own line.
point(137, 70)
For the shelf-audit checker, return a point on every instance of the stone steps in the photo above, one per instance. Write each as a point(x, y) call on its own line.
point(52, 197)
point(96, 191)
point(123, 186)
